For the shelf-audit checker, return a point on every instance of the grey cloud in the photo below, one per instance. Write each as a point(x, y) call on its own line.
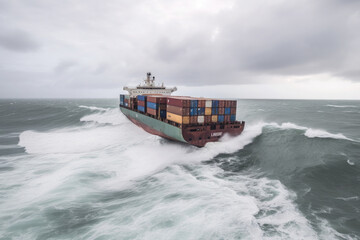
point(19, 41)
point(65, 66)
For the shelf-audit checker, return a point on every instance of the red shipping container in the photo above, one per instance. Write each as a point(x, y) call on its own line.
point(178, 110)
point(151, 111)
point(227, 103)
point(142, 103)
point(179, 101)
point(207, 119)
point(233, 111)
point(221, 103)
point(221, 111)
point(201, 103)
point(157, 99)
point(233, 104)
point(227, 118)
point(193, 120)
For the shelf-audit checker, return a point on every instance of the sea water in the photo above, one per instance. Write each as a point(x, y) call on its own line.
point(78, 169)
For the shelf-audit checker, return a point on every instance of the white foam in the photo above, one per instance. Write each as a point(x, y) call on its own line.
point(350, 162)
point(93, 108)
point(341, 106)
point(111, 116)
point(310, 132)
point(318, 133)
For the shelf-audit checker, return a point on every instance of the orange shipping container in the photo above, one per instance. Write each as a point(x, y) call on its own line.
point(177, 118)
point(214, 118)
point(208, 111)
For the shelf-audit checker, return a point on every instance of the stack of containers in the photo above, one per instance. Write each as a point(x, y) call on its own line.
point(127, 101)
point(133, 103)
point(122, 100)
point(156, 106)
point(178, 109)
point(141, 101)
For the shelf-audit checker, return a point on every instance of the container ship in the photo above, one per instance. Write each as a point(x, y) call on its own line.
point(191, 120)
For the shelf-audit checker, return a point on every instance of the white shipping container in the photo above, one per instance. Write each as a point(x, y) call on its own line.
point(200, 119)
point(208, 103)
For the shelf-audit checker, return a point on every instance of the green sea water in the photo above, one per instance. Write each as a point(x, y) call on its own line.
point(78, 169)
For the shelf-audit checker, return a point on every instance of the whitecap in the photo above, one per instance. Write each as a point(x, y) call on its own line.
point(341, 106)
point(93, 108)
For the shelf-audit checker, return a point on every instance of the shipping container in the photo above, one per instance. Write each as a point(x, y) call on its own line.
point(141, 108)
point(178, 101)
point(221, 111)
point(141, 103)
point(208, 111)
point(163, 113)
point(193, 111)
point(214, 111)
point(233, 103)
point(141, 98)
point(151, 111)
point(232, 118)
point(157, 99)
point(201, 111)
point(207, 119)
point(193, 119)
point(215, 103)
point(227, 103)
point(208, 103)
point(177, 118)
point(152, 105)
point(127, 96)
point(221, 118)
point(193, 103)
point(214, 118)
point(227, 118)
point(201, 103)
point(227, 111)
point(178, 110)
point(201, 119)
point(221, 103)
point(233, 110)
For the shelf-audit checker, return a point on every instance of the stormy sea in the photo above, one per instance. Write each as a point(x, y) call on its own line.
point(78, 169)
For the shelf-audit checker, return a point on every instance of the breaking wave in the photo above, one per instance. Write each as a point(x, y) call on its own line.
point(341, 106)
point(310, 132)
point(94, 108)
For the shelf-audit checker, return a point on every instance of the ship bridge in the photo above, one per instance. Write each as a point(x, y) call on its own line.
point(149, 87)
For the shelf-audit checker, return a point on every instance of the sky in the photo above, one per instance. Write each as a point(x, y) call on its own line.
point(292, 49)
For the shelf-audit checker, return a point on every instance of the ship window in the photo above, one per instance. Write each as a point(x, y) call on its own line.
point(190, 139)
point(199, 138)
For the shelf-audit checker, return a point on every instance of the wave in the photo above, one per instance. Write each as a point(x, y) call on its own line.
point(93, 108)
point(310, 132)
point(341, 106)
point(110, 116)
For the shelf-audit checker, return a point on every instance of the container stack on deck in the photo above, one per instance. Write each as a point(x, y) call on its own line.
point(183, 110)
point(156, 106)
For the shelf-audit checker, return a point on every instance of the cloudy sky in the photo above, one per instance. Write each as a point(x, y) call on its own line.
point(244, 49)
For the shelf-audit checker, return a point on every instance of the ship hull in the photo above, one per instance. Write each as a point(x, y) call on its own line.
point(197, 135)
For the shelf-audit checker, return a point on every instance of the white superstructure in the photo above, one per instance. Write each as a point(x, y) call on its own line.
point(149, 87)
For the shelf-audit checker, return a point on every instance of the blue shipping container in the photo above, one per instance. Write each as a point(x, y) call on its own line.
point(194, 103)
point(141, 108)
point(227, 111)
point(193, 111)
point(221, 118)
point(163, 113)
point(214, 111)
point(215, 103)
point(233, 118)
point(201, 111)
point(141, 98)
point(152, 105)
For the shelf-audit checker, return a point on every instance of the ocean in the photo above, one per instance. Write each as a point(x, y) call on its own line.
point(78, 169)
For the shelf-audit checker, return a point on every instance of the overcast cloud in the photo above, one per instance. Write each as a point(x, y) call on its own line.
point(96, 47)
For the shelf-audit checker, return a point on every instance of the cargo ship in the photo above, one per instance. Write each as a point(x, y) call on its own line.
point(191, 120)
